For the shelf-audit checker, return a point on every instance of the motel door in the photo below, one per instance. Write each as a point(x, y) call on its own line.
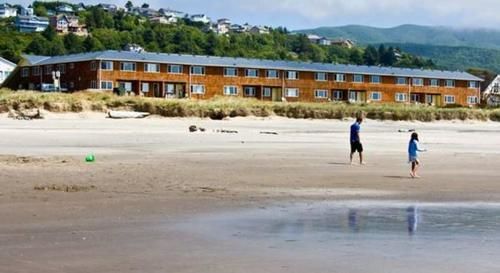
point(277, 94)
point(127, 86)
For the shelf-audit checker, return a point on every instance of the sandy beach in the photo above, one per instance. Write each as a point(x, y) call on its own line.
point(152, 172)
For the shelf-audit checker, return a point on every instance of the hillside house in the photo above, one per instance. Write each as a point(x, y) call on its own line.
point(223, 26)
point(259, 30)
point(29, 24)
point(65, 9)
point(29, 11)
point(199, 18)
point(7, 11)
point(492, 93)
point(68, 24)
point(164, 20)
point(108, 7)
point(172, 13)
point(344, 43)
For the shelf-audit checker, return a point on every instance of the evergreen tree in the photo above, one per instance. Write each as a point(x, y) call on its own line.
point(129, 5)
point(49, 33)
point(38, 46)
point(91, 44)
point(73, 44)
point(370, 57)
point(356, 57)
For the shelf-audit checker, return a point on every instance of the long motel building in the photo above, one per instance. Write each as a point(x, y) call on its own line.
point(175, 76)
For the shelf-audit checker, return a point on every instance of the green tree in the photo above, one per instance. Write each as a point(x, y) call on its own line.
point(40, 11)
point(145, 6)
point(49, 33)
point(91, 44)
point(129, 5)
point(370, 57)
point(356, 57)
point(73, 44)
point(38, 46)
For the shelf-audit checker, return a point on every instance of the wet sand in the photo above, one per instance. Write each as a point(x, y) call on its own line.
point(150, 175)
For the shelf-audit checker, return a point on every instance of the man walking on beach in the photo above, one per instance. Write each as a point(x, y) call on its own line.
point(356, 145)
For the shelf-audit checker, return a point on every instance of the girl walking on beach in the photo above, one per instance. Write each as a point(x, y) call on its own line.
point(413, 150)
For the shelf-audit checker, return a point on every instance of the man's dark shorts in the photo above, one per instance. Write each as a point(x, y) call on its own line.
point(356, 146)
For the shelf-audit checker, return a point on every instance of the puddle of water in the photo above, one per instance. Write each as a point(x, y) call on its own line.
point(432, 235)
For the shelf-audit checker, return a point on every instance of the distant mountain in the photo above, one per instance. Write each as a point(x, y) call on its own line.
point(413, 34)
point(455, 58)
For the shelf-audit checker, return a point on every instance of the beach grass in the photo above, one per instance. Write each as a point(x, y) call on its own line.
point(222, 107)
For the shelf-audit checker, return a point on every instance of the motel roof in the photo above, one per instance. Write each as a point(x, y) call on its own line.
point(111, 55)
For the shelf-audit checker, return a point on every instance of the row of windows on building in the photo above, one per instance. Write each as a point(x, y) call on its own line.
point(250, 91)
point(252, 73)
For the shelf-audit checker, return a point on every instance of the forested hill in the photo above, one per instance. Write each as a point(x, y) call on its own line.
point(413, 34)
point(114, 30)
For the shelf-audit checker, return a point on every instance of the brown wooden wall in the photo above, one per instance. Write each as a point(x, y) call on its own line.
point(214, 80)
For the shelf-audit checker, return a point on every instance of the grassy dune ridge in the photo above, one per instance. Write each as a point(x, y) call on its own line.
point(222, 107)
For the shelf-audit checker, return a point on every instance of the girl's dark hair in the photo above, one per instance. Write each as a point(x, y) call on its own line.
point(414, 136)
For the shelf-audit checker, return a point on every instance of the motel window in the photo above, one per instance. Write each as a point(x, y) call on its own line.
point(418, 81)
point(106, 85)
point(338, 95)
point(376, 96)
point(198, 89)
point(292, 75)
point(230, 72)
point(449, 99)
point(127, 66)
point(145, 87)
point(252, 73)
point(230, 90)
point(450, 83)
point(93, 84)
point(48, 69)
point(401, 97)
point(93, 66)
point(473, 84)
point(415, 97)
point(340, 77)
point(62, 68)
point(321, 94)
point(107, 65)
point(72, 85)
point(272, 74)
point(292, 92)
point(472, 100)
point(197, 70)
point(25, 72)
point(152, 68)
point(321, 76)
point(400, 81)
point(36, 71)
point(267, 92)
point(358, 78)
point(250, 91)
point(375, 79)
point(434, 83)
point(175, 69)
point(72, 66)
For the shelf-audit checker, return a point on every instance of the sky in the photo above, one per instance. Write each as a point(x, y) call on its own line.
point(302, 14)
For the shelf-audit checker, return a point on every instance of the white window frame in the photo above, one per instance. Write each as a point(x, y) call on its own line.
point(414, 97)
point(340, 77)
point(324, 77)
point(473, 84)
point(446, 83)
point(321, 94)
point(230, 90)
point(292, 75)
point(373, 77)
point(267, 92)
point(253, 92)
point(152, 68)
point(376, 99)
point(194, 71)
point(93, 66)
point(338, 95)
point(405, 81)
point(401, 97)
point(449, 99)
point(472, 100)
point(354, 80)
point(25, 72)
point(434, 83)
point(145, 87)
point(248, 74)
point(198, 89)
point(417, 81)
point(108, 85)
point(288, 92)
point(228, 69)
point(107, 65)
point(124, 65)
point(272, 77)
point(171, 71)
point(93, 84)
